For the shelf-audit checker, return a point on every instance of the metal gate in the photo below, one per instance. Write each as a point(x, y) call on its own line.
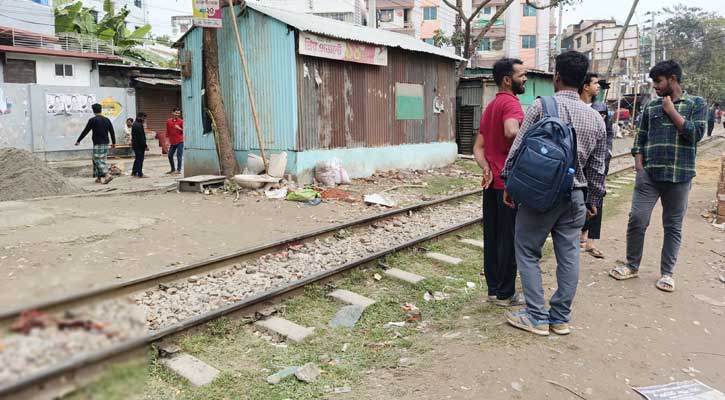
point(465, 129)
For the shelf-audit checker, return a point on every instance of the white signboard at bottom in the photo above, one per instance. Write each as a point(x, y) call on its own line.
point(686, 390)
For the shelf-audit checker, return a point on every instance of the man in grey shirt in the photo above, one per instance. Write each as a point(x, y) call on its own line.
point(566, 220)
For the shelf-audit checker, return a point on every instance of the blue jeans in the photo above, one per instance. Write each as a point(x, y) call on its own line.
point(564, 223)
point(179, 150)
point(138, 162)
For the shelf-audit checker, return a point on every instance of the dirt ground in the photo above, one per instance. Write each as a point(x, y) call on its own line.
point(625, 334)
point(56, 246)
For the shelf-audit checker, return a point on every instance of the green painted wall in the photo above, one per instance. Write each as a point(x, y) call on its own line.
point(538, 84)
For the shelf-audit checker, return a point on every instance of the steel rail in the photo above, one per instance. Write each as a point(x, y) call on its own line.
point(91, 359)
point(143, 282)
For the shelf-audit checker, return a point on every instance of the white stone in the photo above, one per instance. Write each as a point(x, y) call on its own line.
point(353, 298)
point(404, 275)
point(443, 258)
point(473, 242)
point(197, 372)
point(288, 329)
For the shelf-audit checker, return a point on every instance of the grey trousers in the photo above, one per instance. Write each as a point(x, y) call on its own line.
point(674, 206)
point(564, 223)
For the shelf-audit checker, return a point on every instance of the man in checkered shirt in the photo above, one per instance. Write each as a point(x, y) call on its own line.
point(566, 220)
point(664, 151)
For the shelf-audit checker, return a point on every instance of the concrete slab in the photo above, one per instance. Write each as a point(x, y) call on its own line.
point(628, 178)
point(620, 181)
point(404, 275)
point(197, 372)
point(283, 327)
point(443, 258)
point(353, 298)
point(473, 242)
point(611, 186)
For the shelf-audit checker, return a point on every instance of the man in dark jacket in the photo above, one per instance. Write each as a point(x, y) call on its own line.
point(101, 127)
point(138, 143)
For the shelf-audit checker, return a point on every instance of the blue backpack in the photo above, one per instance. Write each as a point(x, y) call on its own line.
point(544, 165)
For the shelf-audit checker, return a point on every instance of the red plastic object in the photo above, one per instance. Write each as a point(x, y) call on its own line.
point(163, 142)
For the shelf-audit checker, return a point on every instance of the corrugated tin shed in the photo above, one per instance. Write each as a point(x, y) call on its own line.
point(343, 30)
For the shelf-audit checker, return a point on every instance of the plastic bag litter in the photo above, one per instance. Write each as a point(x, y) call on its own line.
point(276, 193)
point(330, 172)
point(303, 195)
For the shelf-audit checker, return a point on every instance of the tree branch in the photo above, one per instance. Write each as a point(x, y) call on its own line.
point(553, 4)
point(484, 31)
point(477, 10)
point(457, 9)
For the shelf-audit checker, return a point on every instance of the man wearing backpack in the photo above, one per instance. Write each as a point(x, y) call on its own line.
point(565, 140)
point(664, 153)
point(499, 126)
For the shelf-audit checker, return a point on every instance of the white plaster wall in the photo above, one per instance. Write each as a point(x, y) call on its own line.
point(45, 70)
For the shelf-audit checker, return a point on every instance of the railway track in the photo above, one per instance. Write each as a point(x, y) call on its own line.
point(73, 372)
point(624, 161)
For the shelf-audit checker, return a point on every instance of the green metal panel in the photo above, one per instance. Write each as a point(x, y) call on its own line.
point(409, 101)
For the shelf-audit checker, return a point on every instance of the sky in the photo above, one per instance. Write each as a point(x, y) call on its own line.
point(596, 9)
point(163, 10)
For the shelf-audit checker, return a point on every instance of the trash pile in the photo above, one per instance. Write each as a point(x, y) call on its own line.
point(23, 176)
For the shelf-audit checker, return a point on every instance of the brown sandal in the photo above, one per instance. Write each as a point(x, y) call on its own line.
point(595, 252)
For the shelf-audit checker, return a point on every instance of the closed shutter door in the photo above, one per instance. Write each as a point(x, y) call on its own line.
point(19, 71)
point(157, 104)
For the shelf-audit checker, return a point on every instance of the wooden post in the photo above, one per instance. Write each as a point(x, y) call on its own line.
point(228, 161)
point(249, 86)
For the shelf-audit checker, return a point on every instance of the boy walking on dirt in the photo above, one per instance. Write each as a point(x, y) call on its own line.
point(566, 219)
point(499, 126)
point(101, 127)
point(175, 133)
point(664, 154)
point(138, 143)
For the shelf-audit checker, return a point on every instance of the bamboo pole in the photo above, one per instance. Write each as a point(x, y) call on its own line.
point(249, 86)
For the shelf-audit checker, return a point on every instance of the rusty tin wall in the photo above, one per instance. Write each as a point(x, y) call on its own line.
point(353, 105)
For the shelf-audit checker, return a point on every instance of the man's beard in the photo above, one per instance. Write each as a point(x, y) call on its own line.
point(518, 88)
point(667, 91)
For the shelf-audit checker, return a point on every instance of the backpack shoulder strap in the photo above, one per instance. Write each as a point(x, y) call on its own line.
point(549, 106)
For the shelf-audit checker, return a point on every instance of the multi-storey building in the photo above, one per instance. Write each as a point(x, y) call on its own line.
point(522, 31)
point(597, 38)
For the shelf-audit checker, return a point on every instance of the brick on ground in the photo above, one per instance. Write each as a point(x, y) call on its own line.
point(473, 242)
point(352, 298)
point(285, 328)
point(404, 275)
point(444, 258)
point(197, 372)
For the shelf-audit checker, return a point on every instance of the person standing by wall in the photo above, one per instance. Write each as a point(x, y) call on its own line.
point(565, 221)
point(127, 131)
point(175, 133)
point(664, 155)
point(138, 143)
point(711, 119)
point(499, 127)
point(102, 128)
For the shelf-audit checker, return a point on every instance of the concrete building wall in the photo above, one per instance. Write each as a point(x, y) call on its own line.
point(27, 121)
point(28, 16)
point(45, 70)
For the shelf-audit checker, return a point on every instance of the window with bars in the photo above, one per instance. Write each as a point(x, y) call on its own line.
point(528, 41)
point(484, 45)
point(430, 13)
point(65, 70)
point(486, 10)
point(529, 11)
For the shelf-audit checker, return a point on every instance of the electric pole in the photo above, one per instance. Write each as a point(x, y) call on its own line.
point(615, 52)
point(372, 14)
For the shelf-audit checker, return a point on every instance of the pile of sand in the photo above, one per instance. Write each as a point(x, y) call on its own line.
point(23, 176)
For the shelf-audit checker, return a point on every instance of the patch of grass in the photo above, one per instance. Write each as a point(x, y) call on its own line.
point(469, 165)
point(246, 359)
point(440, 185)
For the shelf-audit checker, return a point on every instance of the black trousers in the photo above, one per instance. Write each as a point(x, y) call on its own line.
point(499, 261)
point(138, 162)
point(593, 226)
point(710, 127)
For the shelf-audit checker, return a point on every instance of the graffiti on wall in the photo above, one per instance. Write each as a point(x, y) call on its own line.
point(111, 108)
point(69, 104)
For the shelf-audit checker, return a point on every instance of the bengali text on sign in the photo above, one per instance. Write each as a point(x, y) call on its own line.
point(318, 46)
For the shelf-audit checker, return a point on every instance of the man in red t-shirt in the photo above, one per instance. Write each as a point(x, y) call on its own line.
point(499, 126)
point(175, 133)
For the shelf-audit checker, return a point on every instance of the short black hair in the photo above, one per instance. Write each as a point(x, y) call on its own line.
point(587, 80)
point(176, 109)
point(572, 67)
point(666, 68)
point(96, 108)
point(141, 114)
point(129, 119)
point(503, 68)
